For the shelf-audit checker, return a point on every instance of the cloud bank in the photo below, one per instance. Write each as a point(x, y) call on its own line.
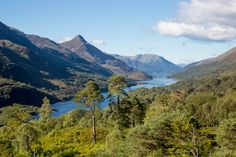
point(207, 20)
point(98, 42)
point(67, 38)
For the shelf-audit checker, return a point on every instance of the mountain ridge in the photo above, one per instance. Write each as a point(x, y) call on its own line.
point(152, 64)
point(82, 48)
point(225, 62)
point(54, 70)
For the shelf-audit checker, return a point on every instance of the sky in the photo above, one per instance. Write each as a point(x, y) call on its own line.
point(182, 31)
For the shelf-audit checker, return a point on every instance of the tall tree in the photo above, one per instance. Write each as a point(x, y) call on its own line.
point(27, 139)
point(138, 111)
point(45, 111)
point(90, 98)
point(116, 85)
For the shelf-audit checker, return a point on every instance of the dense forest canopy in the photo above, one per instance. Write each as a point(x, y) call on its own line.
point(195, 117)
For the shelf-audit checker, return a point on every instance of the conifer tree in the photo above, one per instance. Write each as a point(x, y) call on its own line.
point(90, 98)
point(116, 86)
point(45, 111)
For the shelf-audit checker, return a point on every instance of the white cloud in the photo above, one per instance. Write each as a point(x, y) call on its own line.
point(67, 38)
point(98, 42)
point(210, 20)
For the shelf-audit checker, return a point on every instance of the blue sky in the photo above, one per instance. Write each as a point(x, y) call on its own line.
point(128, 27)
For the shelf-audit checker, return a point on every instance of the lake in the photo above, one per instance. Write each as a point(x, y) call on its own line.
point(67, 106)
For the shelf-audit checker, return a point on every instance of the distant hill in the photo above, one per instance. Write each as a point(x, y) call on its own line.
point(82, 48)
point(153, 65)
point(223, 63)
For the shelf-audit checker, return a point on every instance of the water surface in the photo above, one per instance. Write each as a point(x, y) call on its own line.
point(64, 107)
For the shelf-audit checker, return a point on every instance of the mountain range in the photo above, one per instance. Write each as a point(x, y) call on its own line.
point(32, 66)
point(56, 69)
point(151, 64)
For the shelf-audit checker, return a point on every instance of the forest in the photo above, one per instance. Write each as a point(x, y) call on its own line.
point(192, 118)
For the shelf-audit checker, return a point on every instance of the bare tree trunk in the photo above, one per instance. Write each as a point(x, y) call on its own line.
point(28, 146)
point(94, 126)
point(118, 99)
point(110, 106)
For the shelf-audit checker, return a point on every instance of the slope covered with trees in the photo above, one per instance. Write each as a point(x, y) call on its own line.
point(56, 68)
point(223, 63)
point(190, 118)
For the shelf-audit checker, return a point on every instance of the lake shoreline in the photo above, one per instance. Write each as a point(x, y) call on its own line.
point(67, 106)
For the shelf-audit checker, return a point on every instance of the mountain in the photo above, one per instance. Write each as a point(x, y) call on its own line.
point(54, 70)
point(73, 60)
point(25, 61)
point(223, 63)
point(151, 64)
point(44, 65)
point(82, 48)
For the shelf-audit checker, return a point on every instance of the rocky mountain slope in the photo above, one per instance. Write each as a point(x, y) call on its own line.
point(82, 48)
point(54, 69)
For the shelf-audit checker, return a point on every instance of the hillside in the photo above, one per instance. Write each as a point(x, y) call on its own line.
point(82, 48)
point(43, 64)
point(12, 92)
point(153, 65)
point(61, 71)
point(25, 61)
point(223, 63)
point(185, 119)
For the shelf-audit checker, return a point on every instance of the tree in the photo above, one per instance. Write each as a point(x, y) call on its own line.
point(90, 98)
point(116, 85)
point(138, 112)
point(122, 113)
point(14, 116)
point(190, 138)
point(45, 111)
point(27, 139)
point(226, 138)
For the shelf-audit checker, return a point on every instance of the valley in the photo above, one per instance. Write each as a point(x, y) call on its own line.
point(118, 78)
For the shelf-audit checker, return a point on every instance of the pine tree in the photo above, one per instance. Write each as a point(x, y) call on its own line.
point(90, 98)
point(45, 111)
point(116, 85)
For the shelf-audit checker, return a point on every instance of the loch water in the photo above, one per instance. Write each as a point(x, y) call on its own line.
point(67, 106)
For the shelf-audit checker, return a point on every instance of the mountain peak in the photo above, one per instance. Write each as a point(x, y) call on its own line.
point(79, 38)
point(147, 58)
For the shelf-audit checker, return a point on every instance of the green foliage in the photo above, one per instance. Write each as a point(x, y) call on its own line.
point(90, 96)
point(202, 106)
point(116, 85)
point(12, 91)
point(27, 139)
point(128, 113)
point(194, 118)
point(71, 140)
point(45, 111)
point(14, 116)
point(226, 134)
